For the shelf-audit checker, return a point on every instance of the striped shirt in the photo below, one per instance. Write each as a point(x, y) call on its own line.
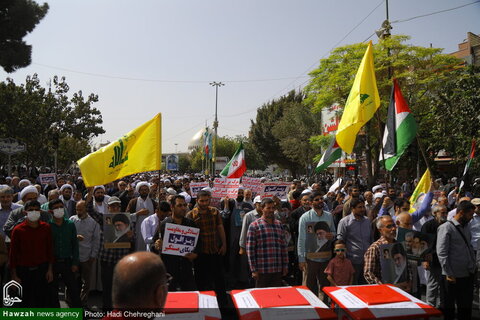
point(266, 247)
point(372, 271)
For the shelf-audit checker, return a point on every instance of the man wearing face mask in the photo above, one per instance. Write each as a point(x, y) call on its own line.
point(456, 257)
point(66, 254)
point(88, 235)
point(31, 257)
point(140, 208)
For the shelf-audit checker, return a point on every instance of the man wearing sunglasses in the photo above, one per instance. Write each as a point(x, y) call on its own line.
point(372, 270)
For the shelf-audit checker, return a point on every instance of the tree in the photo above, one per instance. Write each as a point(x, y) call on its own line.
point(48, 120)
point(17, 19)
point(294, 130)
point(264, 139)
point(420, 71)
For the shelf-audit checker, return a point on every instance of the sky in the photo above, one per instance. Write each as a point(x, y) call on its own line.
point(145, 57)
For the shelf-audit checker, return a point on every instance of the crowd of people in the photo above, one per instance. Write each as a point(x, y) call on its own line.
point(322, 234)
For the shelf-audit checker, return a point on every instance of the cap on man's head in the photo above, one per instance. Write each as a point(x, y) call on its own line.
point(475, 201)
point(257, 199)
point(113, 200)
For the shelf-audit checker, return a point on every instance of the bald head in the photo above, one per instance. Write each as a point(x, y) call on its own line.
point(404, 220)
point(140, 282)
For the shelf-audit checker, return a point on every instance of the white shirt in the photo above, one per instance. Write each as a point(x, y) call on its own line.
point(148, 228)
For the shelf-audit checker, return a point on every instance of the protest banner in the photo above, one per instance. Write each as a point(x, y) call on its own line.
point(224, 187)
point(277, 189)
point(47, 178)
point(197, 186)
point(179, 240)
point(254, 184)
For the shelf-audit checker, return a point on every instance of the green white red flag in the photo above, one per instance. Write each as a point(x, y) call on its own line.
point(237, 165)
point(332, 154)
point(400, 129)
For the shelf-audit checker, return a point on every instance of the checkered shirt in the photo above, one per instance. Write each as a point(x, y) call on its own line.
point(372, 271)
point(266, 247)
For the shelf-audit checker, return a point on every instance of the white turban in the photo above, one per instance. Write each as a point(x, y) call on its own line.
point(374, 189)
point(141, 184)
point(171, 191)
point(187, 197)
point(29, 189)
point(65, 186)
point(378, 195)
point(23, 181)
point(98, 187)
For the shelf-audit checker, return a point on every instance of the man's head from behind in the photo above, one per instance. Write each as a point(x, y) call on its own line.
point(144, 290)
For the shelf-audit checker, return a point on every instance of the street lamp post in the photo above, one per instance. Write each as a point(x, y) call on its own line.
point(215, 123)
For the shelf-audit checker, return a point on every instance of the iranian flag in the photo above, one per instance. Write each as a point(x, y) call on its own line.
point(237, 166)
point(332, 154)
point(469, 161)
point(400, 129)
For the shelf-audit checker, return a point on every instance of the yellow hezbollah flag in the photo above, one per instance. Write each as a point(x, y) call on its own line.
point(362, 103)
point(423, 187)
point(137, 151)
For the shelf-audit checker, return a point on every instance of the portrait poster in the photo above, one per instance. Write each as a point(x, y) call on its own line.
point(116, 227)
point(393, 263)
point(316, 242)
point(179, 240)
point(415, 243)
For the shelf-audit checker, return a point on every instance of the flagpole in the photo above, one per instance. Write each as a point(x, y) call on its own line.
point(420, 146)
point(387, 178)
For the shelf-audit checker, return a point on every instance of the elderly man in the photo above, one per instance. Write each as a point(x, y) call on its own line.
point(372, 270)
point(17, 216)
point(140, 208)
point(133, 290)
point(6, 205)
point(88, 234)
point(457, 260)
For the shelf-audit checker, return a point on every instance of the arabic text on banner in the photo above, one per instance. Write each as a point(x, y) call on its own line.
point(197, 186)
point(179, 240)
point(224, 187)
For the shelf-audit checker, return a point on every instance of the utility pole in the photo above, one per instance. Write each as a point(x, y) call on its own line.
point(215, 124)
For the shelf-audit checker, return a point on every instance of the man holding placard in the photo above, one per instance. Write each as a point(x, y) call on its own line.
point(179, 264)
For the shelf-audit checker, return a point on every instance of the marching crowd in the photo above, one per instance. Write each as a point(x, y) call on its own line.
point(320, 235)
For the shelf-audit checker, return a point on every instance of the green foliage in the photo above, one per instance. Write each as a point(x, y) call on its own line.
point(453, 119)
point(39, 117)
point(17, 19)
point(226, 147)
point(421, 72)
point(276, 144)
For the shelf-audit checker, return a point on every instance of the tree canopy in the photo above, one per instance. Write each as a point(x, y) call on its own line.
point(48, 119)
point(17, 19)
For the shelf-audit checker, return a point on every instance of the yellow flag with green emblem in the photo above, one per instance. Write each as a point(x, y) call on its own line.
point(422, 188)
point(361, 104)
point(140, 150)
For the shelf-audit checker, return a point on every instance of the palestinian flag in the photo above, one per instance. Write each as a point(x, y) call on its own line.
point(400, 128)
point(237, 166)
point(332, 154)
point(469, 161)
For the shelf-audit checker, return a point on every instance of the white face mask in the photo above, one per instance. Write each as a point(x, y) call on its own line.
point(58, 213)
point(33, 215)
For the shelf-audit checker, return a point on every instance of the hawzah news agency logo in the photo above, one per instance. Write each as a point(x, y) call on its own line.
point(8, 301)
